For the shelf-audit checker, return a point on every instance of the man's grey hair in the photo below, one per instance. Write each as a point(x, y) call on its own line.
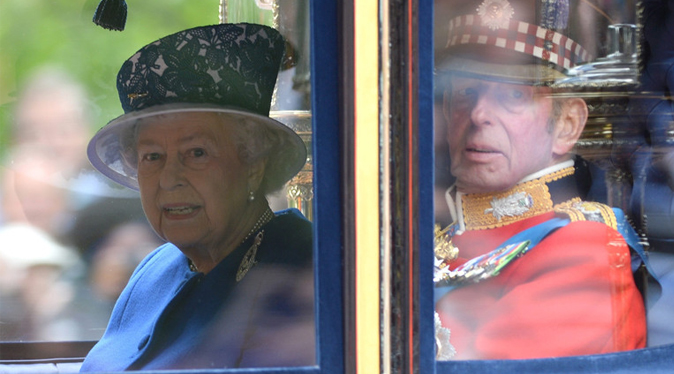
point(557, 106)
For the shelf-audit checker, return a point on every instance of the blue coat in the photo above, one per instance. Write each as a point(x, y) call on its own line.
point(171, 317)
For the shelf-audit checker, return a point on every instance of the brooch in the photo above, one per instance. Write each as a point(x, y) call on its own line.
point(248, 260)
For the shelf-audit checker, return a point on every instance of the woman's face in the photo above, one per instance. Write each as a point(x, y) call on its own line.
point(192, 185)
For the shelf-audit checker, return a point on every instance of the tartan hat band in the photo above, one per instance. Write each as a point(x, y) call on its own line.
point(518, 36)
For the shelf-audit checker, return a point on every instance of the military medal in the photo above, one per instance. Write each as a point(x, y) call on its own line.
point(445, 251)
point(480, 268)
point(444, 248)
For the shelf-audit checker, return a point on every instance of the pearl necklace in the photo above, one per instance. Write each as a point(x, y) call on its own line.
point(263, 220)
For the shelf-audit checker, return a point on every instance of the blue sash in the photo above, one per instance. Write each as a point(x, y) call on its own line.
point(639, 257)
point(539, 232)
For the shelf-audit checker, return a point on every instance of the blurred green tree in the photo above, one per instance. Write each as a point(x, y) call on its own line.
point(60, 33)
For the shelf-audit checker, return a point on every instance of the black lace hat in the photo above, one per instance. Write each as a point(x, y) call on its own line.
point(224, 68)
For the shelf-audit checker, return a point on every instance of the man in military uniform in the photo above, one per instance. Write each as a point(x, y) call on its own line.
point(528, 268)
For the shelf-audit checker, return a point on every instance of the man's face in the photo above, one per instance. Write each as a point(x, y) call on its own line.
point(498, 133)
point(192, 185)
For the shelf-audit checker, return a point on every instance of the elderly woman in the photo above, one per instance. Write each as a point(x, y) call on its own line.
point(233, 287)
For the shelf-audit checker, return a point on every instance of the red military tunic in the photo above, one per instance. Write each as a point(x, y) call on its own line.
point(572, 294)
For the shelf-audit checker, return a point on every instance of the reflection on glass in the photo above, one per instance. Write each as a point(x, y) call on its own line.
point(534, 254)
point(291, 103)
point(73, 238)
point(647, 150)
point(50, 289)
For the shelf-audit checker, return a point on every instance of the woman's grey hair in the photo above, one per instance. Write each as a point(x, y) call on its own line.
point(254, 142)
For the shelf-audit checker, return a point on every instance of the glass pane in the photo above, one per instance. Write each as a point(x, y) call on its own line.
point(538, 252)
point(73, 237)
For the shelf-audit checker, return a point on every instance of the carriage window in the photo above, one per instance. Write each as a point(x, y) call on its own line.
point(552, 180)
point(72, 237)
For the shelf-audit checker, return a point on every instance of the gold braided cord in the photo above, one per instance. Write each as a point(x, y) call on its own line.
point(589, 211)
point(568, 209)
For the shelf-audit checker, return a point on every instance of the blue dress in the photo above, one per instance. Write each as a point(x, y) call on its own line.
point(170, 317)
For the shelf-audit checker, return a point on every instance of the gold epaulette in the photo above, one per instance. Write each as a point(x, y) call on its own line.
point(588, 211)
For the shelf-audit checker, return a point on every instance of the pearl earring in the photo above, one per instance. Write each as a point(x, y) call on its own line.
point(251, 196)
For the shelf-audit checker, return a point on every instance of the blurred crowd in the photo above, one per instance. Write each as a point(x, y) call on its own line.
point(68, 239)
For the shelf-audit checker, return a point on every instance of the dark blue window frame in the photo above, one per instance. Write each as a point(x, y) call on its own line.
point(328, 240)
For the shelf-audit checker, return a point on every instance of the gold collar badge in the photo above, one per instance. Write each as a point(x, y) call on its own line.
point(528, 199)
point(513, 205)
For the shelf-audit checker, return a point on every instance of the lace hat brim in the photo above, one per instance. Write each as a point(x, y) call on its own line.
point(106, 150)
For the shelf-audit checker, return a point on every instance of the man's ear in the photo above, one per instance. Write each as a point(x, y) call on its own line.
point(255, 175)
point(569, 125)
